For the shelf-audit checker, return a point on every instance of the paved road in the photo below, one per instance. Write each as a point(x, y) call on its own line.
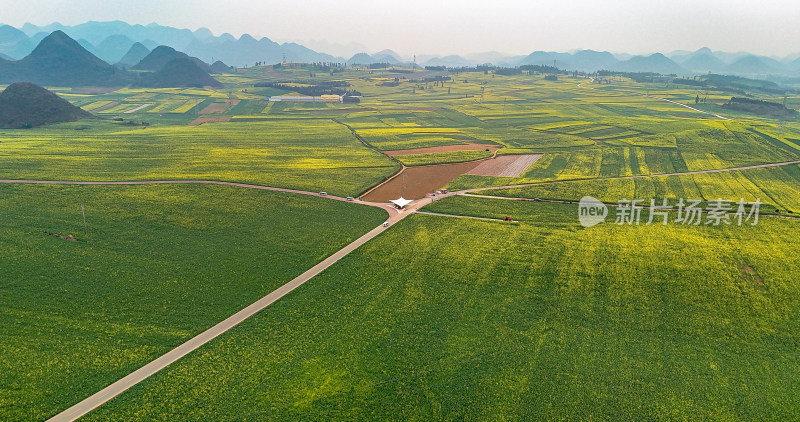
point(98, 399)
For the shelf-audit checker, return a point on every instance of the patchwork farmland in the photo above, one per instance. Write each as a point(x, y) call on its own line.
point(202, 203)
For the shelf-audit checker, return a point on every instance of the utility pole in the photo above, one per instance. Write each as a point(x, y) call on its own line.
point(85, 227)
point(504, 111)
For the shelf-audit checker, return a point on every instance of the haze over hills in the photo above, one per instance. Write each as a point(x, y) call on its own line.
point(220, 67)
point(162, 55)
point(113, 41)
point(135, 54)
point(60, 61)
point(14, 43)
point(180, 72)
point(201, 43)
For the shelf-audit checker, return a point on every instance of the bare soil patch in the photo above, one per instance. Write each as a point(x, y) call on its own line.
point(68, 238)
point(139, 108)
point(443, 148)
point(748, 273)
point(506, 165)
point(415, 182)
point(200, 120)
point(344, 110)
point(219, 108)
point(106, 107)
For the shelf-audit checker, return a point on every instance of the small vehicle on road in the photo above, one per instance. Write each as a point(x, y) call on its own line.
point(323, 193)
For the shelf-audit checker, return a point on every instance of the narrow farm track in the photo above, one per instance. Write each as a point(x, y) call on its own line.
point(637, 176)
point(194, 182)
point(561, 201)
point(669, 101)
point(101, 397)
point(469, 217)
point(690, 108)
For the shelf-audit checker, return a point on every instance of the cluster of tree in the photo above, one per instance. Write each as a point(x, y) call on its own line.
point(321, 88)
point(551, 77)
point(433, 79)
point(329, 67)
point(508, 71)
point(690, 82)
point(436, 68)
point(541, 69)
point(760, 107)
point(379, 65)
point(638, 76)
point(395, 82)
point(725, 81)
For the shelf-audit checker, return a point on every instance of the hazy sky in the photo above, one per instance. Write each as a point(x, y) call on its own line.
point(769, 27)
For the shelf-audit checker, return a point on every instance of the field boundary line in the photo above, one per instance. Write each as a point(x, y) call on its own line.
point(572, 202)
point(664, 99)
point(635, 176)
point(190, 182)
point(374, 148)
point(438, 214)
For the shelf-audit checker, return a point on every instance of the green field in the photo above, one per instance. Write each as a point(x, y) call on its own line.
point(438, 318)
point(523, 321)
point(317, 155)
point(160, 264)
point(442, 157)
point(778, 188)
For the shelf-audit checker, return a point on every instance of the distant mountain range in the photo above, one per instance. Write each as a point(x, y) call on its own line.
point(702, 61)
point(124, 45)
point(110, 41)
point(59, 60)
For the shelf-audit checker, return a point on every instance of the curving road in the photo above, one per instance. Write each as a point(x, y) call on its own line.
point(383, 206)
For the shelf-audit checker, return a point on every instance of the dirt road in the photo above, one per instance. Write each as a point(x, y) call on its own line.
point(387, 207)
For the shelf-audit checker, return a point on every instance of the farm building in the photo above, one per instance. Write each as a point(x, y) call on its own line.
point(400, 203)
point(320, 99)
